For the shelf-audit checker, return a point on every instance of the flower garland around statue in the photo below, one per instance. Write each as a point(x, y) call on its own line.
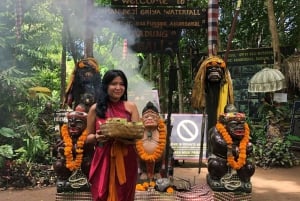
point(241, 161)
point(158, 150)
point(71, 163)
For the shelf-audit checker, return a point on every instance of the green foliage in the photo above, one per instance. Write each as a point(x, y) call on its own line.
point(274, 153)
point(252, 28)
point(257, 132)
point(35, 149)
point(293, 138)
point(23, 111)
point(6, 150)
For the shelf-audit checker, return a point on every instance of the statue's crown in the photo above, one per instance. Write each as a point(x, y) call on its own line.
point(232, 116)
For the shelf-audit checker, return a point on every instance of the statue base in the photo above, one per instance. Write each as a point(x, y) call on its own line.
point(71, 196)
point(233, 184)
point(232, 196)
point(65, 186)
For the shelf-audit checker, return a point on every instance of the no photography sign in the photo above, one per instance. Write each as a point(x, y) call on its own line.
point(185, 136)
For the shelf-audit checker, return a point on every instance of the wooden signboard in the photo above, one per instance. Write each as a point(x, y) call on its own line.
point(154, 46)
point(250, 56)
point(172, 24)
point(158, 34)
point(168, 18)
point(159, 13)
point(149, 2)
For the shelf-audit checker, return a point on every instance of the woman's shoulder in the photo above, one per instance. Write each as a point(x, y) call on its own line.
point(93, 108)
point(129, 102)
point(130, 106)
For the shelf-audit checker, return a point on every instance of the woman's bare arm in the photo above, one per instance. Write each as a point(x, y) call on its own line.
point(91, 120)
point(132, 108)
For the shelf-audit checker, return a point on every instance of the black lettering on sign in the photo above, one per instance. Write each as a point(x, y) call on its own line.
point(157, 46)
point(158, 33)
point(160, 13)
point(180, 24)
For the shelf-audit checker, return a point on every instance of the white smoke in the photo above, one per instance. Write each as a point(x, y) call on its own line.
point(104, 19)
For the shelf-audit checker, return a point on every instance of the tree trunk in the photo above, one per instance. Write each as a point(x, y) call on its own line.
point(89, 36)
point(274, 35)
point(162, 87)
point(150, 67)
point(180, 86)
point(63, 63)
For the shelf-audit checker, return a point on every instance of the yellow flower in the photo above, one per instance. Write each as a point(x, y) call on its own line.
point(140, 187)
point(146, 184)
point(152, 183)
point(170, 190)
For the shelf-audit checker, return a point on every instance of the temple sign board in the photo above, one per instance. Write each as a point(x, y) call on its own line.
point(186, 136)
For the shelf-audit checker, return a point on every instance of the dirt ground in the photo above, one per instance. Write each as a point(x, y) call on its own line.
point(268, 185)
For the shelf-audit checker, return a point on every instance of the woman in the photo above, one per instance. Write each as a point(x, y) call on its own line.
point(113, 172)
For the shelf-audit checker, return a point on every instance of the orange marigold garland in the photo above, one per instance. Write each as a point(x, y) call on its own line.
point(158, 150)
point(241, 161)
point(71, 163)
point(144, 186)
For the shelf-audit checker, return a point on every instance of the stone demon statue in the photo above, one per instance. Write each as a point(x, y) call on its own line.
point(212, 89)
point(84, 84)
point(73, 156)
point(230, 165)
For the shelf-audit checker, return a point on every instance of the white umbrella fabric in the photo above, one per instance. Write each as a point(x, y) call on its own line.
point(267, 80)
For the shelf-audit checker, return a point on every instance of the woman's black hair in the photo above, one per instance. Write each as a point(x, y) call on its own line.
point(103, 99)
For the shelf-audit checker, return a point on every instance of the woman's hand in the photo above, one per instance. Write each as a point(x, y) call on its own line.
point(100, 137)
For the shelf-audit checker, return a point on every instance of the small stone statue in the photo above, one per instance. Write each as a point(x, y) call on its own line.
point(230, 164)
point(73, 155)
point(151, 147)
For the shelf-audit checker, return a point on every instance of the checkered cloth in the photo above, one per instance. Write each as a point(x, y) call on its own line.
point(197, 193)
point(213, 14)
point(232, 196)
point(73, 196)
point(154, 195)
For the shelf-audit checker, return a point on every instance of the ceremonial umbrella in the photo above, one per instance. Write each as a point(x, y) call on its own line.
point(267, 80)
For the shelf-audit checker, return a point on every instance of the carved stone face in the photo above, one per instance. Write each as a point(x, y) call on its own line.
point(150, 119)
point(76, 123)
point(236, 129)
point(214, 73)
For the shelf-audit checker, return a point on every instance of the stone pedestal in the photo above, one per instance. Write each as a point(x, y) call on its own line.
point(73, 196)
point(232, 196)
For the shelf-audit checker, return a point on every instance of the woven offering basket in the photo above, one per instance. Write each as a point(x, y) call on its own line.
point(120, 128)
